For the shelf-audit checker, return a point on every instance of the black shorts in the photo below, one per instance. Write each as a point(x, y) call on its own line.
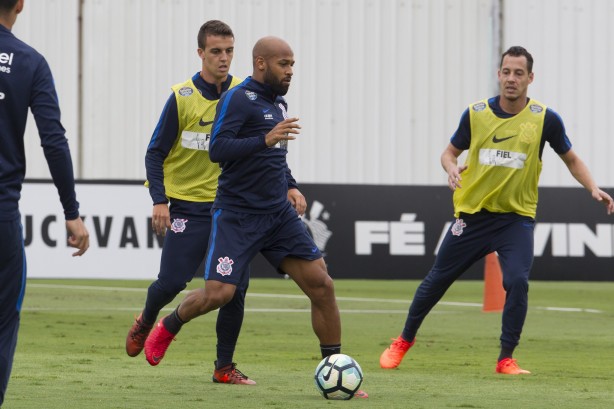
point(236, 238)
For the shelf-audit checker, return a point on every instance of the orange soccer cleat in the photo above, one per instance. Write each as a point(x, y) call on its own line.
point(393, 355)
point(230, 374)
point(509, 366)
point(135, 341)
point(157, 343)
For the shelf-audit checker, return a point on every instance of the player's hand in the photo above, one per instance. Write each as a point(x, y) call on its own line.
point(297, 200)
point(79, 237)
point(160, 219)
point(454, 177)
point(605, 198)
point(283, 131)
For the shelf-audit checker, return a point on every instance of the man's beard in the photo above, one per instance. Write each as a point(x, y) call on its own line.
point(278, 87)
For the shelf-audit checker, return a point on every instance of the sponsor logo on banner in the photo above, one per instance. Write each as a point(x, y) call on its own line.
point(316, 223)
point(405, 237)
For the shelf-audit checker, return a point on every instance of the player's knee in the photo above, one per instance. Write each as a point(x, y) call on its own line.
point(175, 288)
point(167, 287)
point(516, 283)
point(321, 286)
point(218, 294)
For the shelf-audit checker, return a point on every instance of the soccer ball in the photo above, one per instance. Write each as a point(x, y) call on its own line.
point(338, 377)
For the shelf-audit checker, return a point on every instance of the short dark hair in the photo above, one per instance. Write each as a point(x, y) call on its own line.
point(518, 51)
point(7, 5)
point(212, 28)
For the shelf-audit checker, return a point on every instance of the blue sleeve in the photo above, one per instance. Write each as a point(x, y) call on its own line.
point(462, 137)
point(46, 111)
point(291, 181)
point(230, 116)
point(554, 133)
point(160, 145)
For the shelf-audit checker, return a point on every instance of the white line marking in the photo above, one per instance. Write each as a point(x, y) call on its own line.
point(297, 296)
point(258, 310)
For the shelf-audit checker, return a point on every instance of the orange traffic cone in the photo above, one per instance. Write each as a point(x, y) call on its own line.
point(494, 294)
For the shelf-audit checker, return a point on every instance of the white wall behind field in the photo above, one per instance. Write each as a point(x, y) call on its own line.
point(571, 42)
point(379, 85)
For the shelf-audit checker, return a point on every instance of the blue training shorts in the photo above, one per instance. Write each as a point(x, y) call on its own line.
point(185, 244)
point(236, 238)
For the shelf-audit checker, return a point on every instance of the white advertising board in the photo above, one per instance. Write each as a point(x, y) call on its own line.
point(118, 219)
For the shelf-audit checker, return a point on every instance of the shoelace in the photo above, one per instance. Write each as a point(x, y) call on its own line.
point(233, 372)
point(400, 344)
point(140, 331)
point(238, 373)
point(510, 362)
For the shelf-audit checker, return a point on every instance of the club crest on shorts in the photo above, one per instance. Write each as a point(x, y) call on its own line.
point(224, 266)
point(178, 225)
point(457, 228)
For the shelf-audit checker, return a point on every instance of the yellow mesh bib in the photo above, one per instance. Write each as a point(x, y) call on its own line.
point(189, 174)
point(503, 164)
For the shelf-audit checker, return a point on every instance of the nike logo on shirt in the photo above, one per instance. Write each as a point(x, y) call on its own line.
point(497, 140)
point(203, 123)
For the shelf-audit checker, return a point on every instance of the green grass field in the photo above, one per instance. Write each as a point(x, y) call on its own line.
point(71, 349)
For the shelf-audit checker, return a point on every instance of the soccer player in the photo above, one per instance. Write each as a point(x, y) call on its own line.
point(256, 206)
point(26, 82)
point(179, 171)
point(495, 200)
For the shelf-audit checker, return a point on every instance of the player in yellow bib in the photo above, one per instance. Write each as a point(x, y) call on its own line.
point(182, 183)
point(495, 200)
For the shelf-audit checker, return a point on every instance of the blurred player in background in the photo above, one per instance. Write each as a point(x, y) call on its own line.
point(179, 171)
point(495, 201)
point(257, 205)
point(26, 82)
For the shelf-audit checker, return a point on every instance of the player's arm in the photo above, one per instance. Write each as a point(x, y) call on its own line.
point(160, 145)
point(285, 130)
point(231, 114)
point(295, 196)
point(78, 236)
point(46, 112)
point(297, 200)
point(449, 162)
point(458, 143)
point(554, 132)
point(580, 172)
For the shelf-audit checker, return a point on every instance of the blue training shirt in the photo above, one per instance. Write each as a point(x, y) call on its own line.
point(26, 82)
point(255, 178)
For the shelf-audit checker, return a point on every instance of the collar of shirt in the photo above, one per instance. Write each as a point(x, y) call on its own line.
point(264, 90)
point(209, 91)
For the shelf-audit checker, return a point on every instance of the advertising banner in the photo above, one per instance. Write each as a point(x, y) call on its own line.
point(394, 232)
point(387, 232)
